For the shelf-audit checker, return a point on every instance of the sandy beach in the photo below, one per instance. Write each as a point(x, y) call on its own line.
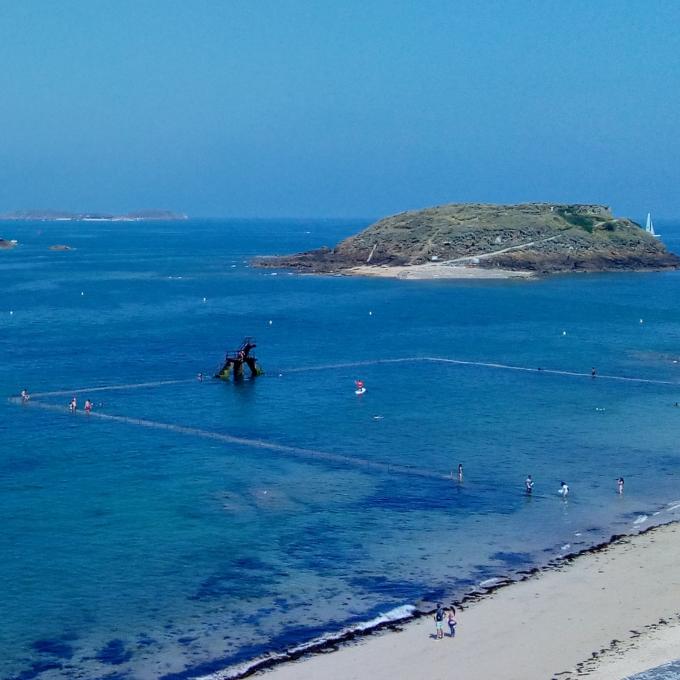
point(605, 614)
point(436, 270)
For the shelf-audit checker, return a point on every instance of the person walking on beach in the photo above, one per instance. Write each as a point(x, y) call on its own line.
point(460, 472)
point(619, 485)
point(563, 490)
point(439, 621)
point(451, 620)
point(529, 485)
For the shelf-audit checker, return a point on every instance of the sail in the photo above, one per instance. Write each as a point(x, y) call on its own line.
point(649, 226)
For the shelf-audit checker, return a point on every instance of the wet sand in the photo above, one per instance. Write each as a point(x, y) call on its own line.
point(605, 614)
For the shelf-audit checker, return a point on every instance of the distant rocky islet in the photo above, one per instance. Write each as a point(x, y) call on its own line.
point(63, 216)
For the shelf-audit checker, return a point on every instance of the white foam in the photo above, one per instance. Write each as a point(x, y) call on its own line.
point(491, 581)
point(641, 519)
point(566, 546)
point(674, 507)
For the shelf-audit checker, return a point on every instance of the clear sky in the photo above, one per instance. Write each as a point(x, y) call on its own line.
point(338, 107)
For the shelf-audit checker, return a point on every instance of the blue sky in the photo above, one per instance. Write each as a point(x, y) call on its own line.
point(324, 108)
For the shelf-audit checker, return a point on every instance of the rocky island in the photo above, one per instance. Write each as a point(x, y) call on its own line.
point(472, 240)
point(61, 216)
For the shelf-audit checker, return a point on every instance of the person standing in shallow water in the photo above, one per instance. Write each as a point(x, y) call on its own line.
point(619, 485)
point(593, 372)
point(439, 621)
point(73, 405)
point(460, 472)
point(529, 485)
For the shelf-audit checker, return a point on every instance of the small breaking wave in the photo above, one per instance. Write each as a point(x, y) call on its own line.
point(401, 613)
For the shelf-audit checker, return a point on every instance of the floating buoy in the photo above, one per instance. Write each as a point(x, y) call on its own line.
point(11, 311)
point(370, 314)
point(564, 332)
point(205, 299)
point(82, 293)
point(641, 320)
point(270, 322)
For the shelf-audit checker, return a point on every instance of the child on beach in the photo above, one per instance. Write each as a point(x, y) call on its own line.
point(451, 620)
point(439, 621)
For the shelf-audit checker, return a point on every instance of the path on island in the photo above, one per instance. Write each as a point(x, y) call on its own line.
point(484, 256)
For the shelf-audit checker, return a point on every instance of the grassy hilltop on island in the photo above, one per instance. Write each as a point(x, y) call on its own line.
point(532, 237)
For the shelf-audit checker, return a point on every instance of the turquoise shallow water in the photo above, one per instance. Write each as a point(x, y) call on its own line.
point(137, 552)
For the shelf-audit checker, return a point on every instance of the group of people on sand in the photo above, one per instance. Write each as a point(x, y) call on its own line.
point(447, 616)
point(73, 406)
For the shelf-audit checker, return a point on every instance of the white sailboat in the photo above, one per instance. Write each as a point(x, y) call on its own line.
point(649, 227)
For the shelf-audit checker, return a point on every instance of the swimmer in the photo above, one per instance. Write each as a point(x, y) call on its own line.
point(460, 472)
point(88, 406)
point(25, 396)
point(619, 485)
point(73, 405)
point(529, 485)
point(199, 377)
point(563, 490)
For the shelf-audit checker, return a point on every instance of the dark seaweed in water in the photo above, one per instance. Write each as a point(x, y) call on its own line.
point(36, 669)
point(386, 586)
point(114, 653)
point(54, 647)
point(513, 559)
point(259, 580)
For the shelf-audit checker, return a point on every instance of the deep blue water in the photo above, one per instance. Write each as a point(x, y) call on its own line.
point(149, 553)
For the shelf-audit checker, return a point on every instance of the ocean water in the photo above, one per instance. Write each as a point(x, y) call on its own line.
point(668, 671)
point(199, 525)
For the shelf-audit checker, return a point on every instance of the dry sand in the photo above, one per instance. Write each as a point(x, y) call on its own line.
point(435, 270)
point(605, 615)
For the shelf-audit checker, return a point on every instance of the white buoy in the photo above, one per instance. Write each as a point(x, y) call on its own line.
point(641, 320)
point(564, 332)
point(11, 311)
point(370, 314)
point(82, 293)
point(205, 299)
point(270, 322)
